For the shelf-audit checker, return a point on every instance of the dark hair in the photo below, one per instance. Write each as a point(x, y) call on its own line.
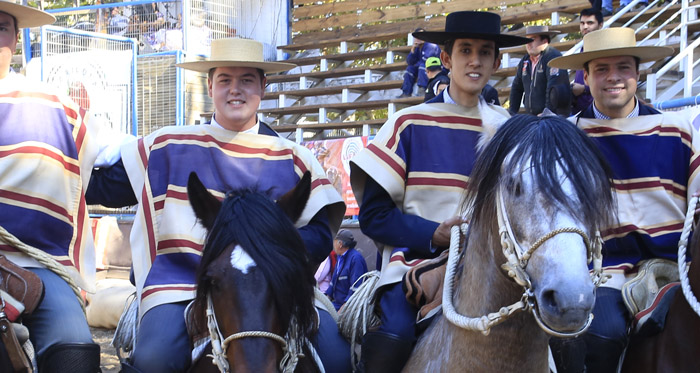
point(450, 44)
point(260, 72)
point(14, 19)
point(636, 63)
point(545, 36)
point(593, 12)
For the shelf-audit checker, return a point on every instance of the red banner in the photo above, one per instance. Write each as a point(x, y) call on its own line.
point(335, 156)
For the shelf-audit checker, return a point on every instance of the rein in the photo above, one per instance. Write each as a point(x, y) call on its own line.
point(517, 259)
point(290, 346)
point(682, 267)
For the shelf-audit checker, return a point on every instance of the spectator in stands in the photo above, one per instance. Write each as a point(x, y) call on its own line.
point(437, 78)
point(590, 20)
point(236, 82)
point(647, 225)
point(324, 273)
point(415, 70)
point(410, 215)
point(534, 79)
point(49, 149)
point(350, 267)
point(118, 23)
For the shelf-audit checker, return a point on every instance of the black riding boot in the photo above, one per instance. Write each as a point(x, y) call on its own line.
point(569, 354)
point(71, 357)
point(384, 353)
point(128, 368)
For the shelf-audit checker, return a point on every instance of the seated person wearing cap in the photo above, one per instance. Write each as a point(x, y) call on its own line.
point(438, 78)
point(410, 180)
point(350, 267)
point(153, 171)
point(49, 148)
point(655, 168)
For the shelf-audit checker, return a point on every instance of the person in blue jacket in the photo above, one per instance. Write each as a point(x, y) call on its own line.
point(415, 70)
point(350, 267)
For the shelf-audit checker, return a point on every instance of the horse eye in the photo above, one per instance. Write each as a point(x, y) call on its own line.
point(517, 190)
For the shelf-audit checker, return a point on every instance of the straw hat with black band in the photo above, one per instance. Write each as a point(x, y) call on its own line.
point(610, 42)
point(236, 52)
point(472, 25)
point(26, 16)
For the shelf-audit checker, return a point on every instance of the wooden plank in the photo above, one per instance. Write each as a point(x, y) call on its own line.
point(336, 89)
point(334, 7)
point(305, 61)
point(327, 126)
point(343, 106)
point(336, 73)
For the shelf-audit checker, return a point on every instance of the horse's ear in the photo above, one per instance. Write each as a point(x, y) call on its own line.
point(294, 201)
point(206, 207)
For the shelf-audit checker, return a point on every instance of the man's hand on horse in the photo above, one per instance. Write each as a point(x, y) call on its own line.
point(441, 237)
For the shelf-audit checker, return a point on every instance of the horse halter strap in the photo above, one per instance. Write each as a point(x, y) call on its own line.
point(219, 348)
point(517, 259)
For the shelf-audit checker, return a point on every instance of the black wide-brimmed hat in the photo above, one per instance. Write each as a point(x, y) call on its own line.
point(472, 25)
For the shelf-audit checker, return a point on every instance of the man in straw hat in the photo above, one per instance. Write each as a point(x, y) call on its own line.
point(409, 181)
point(534, 80)
point(158, 166)
point(654, 160)
point(48, 153)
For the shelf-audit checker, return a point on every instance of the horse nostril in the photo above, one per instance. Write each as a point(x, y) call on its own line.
point(549, 299)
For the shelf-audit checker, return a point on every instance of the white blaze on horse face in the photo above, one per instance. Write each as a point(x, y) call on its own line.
point(240, 260)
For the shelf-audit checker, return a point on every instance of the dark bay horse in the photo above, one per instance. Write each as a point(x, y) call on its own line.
point(677, 347)
point(255, 286)
point(539, 192)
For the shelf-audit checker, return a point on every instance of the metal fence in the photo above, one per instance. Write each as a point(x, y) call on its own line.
point(96, 70)
point(159, 101)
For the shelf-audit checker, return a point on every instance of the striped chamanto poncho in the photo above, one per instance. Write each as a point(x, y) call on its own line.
point(166, 240)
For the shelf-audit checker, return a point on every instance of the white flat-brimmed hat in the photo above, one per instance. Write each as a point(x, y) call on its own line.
point(26, 16)
point(236, 52)
point(610, 42)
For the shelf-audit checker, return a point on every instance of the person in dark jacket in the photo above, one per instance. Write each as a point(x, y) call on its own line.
point(438, 78)
point(350, 267)
point(534, 79)
point(415, 71)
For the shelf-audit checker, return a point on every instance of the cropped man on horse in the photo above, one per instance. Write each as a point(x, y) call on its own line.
point(410, 180)
point(234, 151)
point(48, 152)
point(655, 165)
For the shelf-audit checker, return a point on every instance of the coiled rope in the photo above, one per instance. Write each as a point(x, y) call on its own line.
point(44, 259)
point(357, 315)
point(682, 266)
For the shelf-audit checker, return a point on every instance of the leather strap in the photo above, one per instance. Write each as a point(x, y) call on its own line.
point(19, 360)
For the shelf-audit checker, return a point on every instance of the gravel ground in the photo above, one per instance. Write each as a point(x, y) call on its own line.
point(108, 359)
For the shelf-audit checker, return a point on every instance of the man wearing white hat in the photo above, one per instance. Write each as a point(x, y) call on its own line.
point(234, 151)
point(655, 164)
point(47, 152)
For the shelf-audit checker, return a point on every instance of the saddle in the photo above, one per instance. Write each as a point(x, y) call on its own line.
point(21, 292)
point(647, 295)
point(423, 285)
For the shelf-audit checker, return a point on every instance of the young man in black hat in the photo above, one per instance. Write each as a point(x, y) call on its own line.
point(534, 80)
point(410, 180)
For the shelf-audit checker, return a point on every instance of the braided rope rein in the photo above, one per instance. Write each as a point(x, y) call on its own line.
point(683, 268)
point(517, 259)
point(44, 259)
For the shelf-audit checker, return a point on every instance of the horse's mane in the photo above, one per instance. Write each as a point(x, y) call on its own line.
point(252, 220)
point(545, 143)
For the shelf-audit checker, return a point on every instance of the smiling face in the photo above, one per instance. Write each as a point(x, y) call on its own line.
point(8, 42)
point(237, 92)
point(613, 83)
point(471, 63)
